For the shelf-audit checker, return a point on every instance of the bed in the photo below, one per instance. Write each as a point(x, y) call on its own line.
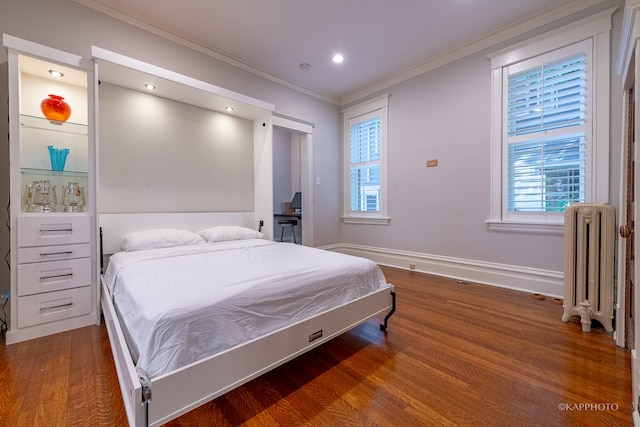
point(205, 316)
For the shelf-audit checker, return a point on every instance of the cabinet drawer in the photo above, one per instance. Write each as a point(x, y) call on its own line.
point(53, 306)
point(53, 229)
point(53, 253)
point(53, 276)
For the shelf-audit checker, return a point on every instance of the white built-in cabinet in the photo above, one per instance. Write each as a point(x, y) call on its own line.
point(52, 215)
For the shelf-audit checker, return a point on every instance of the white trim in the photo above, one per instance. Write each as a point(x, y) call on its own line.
point(597, 28)
point(600, 127)
point(185, 82)
point(569, 34)
point(368, 106)
point(496, 145)
point(513, 30)
point(292, 124)
point(16, 335)
point(46, 53)
point(620, 302)
point(263, 174)
point(526, 227)
point(379, 104)
point(627, 36)
point(366, 220)
point(133, 18)
point(305, 129)
point(526, 279)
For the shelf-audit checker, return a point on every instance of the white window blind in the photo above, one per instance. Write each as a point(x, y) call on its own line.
point(365, 148)
point(550, 115)
point(547, 97)
point(546, 119)
point(365, 136)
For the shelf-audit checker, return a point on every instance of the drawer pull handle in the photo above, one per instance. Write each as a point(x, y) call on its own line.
point(69, 304)
point(57, 253)
point(56, 228)
point(53, 276)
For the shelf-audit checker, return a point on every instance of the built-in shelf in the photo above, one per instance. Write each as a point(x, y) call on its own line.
point(51, 173)
point(52, 125)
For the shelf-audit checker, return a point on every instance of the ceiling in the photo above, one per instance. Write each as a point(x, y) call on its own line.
point(382, 41)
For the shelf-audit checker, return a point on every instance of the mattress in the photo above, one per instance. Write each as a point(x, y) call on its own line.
point(179, 305)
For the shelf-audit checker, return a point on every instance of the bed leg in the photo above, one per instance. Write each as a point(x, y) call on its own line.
point(383, 327)
point(145, 413)
point(146, 398)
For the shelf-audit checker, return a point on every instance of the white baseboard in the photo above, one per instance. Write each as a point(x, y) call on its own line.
point(515, 277)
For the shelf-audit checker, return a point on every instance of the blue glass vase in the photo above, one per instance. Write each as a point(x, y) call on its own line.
point(58, 157)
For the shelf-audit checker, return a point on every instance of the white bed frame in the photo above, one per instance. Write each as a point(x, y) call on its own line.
point(173, 394)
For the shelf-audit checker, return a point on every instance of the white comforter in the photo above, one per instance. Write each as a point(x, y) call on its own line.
point(186, 303)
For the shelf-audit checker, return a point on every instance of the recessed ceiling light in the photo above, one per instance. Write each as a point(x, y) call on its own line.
point(337, 58)
point(150, 86)
point(229, 108)
point(56, 73)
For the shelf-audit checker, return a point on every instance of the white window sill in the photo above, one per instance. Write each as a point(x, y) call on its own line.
point(527, 227)
point(366, 220)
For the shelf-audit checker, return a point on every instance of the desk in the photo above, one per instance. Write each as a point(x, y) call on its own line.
point(292, 216)
point(297, 215)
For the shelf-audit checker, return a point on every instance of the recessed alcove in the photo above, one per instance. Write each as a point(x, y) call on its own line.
point(178, 148)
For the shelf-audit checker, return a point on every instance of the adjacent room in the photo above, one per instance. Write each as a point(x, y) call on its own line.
point(331, 213)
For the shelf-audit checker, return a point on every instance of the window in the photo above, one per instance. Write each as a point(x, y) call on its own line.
point(365, 148)
point(364, 168)
point(546, 123)
point(550, 139)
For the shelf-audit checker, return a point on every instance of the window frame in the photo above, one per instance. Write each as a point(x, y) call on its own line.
point(548, 136)
point(596, 30)
point(376, 107)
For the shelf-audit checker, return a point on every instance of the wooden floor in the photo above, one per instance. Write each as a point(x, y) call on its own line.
point(454, 355)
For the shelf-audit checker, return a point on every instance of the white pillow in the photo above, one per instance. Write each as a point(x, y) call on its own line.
point(159, 238)
point(223, 233)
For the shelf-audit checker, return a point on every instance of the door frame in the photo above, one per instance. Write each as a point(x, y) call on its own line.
point(305, 132)
point(629, 68)
point(621, 302)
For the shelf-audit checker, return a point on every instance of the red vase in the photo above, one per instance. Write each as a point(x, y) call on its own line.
point(54, 108)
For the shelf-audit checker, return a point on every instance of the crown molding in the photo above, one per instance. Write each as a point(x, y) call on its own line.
point(512, 30)
point(628, 35)
point(515, 29)
point(132, 17)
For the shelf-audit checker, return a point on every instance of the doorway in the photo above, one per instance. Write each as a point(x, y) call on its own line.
point(292, 172)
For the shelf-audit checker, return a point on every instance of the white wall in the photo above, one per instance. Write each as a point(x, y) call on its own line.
point(159, 155)
point(282, 167)
point(5, 243)
point(286, 167)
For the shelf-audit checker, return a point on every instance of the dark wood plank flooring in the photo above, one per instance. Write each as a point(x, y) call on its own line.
point(454, 355)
